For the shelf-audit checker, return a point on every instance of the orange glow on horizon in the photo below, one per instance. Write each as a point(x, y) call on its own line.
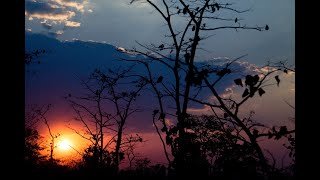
point(68, 145)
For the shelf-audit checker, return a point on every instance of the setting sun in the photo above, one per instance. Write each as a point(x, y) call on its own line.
point(64, 145)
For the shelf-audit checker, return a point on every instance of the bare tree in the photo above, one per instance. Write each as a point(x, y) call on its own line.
point(41, 112)
point(122, 100)
point(106, 90)
point(178, 56)
point(91, 113)
point(129, 147)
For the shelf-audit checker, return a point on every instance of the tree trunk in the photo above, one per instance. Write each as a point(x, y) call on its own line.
point(117, 151)
point(101, 150)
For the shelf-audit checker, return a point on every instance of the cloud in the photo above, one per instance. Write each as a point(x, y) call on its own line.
point(54, 34)
point(72, 24)
point(270, 108)
point(53, 16)
point(46, 25)
point(56, 12)
point(44, 10)
point(77, 4)
point(59, 32)
point(203, 110)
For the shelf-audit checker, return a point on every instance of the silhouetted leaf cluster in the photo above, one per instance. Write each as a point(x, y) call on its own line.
point(251, 84)
point(29, 57)
point(32, 154)
point(197, 78)
point(277, 134)
point(291, 147)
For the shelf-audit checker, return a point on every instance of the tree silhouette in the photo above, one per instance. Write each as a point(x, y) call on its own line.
point(223, 143)
point(122, 101)
point(94, 118)
point(190, 79)
point(41, 113)
point(106, 90)
point(141, 166)
point(32, 155)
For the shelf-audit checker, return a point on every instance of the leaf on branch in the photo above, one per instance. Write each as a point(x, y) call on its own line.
point(283, 130)
point(274, 129)
point(245, 93)
point(168, 140)
point(156, 111)
point(224, 72)
point(173, 131)
point(277, 136)
point(285, 71)
point(277, 79)
point(110, 71)
point(186, 57)
point(249, 80)
point(261, 91)
point(193, 28)
point(161, 46)
point(252, 90)
point(164, 129)
point(225, 115)
point(124, 94)
point(255, 79)
point(121, 156)
point(204, 73)
point(238, 82)
point(255, 132)
point(160, 78)
point(267, 27)
point(236, 20)
point(217, 6)
point(184, 11)
point(162, 116)
point(213, 9)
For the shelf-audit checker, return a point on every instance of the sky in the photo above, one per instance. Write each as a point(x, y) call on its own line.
point(81, 35)
point(122, 24)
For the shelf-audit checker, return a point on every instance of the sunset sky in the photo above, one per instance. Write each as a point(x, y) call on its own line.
point(101, 25)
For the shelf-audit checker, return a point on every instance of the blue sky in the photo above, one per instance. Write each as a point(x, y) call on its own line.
point(121, 24)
